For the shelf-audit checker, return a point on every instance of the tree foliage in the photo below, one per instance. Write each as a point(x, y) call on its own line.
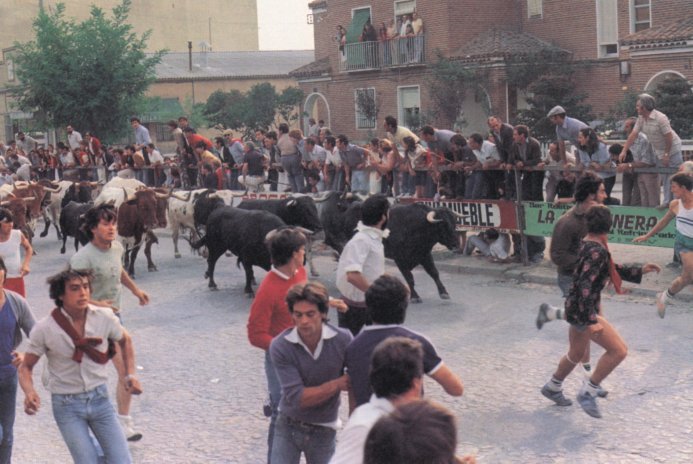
point(546, 92)
point(675, 99)
point(448, 85)
point(259, 107)
point(88, 74)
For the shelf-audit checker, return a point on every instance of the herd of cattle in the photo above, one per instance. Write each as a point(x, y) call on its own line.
point(224, 221)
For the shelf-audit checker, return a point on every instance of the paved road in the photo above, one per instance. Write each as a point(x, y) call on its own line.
point(204, 383)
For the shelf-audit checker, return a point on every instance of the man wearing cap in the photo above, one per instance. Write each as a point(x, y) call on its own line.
point(566, 129)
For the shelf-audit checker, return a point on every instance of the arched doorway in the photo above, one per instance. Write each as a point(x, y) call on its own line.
point(659, 77)
point(316, 107)
point(475, 112)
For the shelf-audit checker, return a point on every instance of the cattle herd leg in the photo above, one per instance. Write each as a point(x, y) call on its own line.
point(430, 266)
point(249, 279)
point(214, 255)
point(149, 241)
point(414, 297)
point(47, 222)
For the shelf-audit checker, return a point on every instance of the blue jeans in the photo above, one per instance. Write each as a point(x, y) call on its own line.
point(359, 182)
point(8, 400)
point(77, 414)
point(294, 171)
point(275, 392)
point(564, 282)
point(291, 438)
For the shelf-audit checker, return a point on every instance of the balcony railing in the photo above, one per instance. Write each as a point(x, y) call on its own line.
point(365, 56)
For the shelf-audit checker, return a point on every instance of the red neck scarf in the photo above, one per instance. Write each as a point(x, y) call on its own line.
point(83, 344)
point(613, 273)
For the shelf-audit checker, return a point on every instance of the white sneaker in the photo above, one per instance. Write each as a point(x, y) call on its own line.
point(128, 426)
point(661, 303)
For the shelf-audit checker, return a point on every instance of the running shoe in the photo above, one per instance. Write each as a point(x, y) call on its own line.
point(128, 426)
point(555, 396)
point(661, 304)
point(589, 404)
point(542, 317)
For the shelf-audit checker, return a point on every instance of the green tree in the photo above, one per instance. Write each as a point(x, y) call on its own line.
point(448, 85)
point(546, 92)
point(89, 74)
point(259, 107)
point(675, 99)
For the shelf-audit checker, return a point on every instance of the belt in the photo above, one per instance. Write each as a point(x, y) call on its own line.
point(297, 423)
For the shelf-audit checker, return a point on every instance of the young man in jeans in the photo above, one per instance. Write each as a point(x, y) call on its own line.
point(77, 372)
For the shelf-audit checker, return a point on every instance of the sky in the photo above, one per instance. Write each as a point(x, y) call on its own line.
point(282, 25)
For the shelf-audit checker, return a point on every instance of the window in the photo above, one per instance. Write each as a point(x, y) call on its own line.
point(640, 15)
point(404, 7)
point(607, 28)
point(409, 103)
point(366, 108)
point(359, 18)
point(10, 70)
point(534, 9)
point(163, 132)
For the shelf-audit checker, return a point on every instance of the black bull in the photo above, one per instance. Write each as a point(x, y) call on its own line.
point(242, 233)
point(414, 230)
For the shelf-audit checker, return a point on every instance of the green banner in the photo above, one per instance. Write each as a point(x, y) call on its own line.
point(629, 222)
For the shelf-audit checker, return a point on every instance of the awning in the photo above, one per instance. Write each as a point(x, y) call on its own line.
point(359, 20)
point(162, 110)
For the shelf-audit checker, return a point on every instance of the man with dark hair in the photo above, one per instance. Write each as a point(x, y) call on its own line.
point(387, 300)
point(565, 245)
point(397, 133)
point(269, 313)
point(78, 339)
point(103, 256)
point(290, 158)
point(354, 161)
point(362, 261)
point(502, 134)
point(440, 143)
point(487, 158)
point(396, 376)
point(142, 138)
point(309, 362)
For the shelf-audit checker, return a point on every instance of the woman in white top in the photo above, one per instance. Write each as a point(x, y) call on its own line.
point(10, 242)
point(593, 154)
point(680, 208)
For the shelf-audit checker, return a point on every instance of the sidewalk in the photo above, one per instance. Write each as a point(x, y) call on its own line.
point(545, 272)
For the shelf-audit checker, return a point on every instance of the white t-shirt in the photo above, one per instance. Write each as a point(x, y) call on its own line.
point(106, 265)
point(9, 251)
point(364, 253)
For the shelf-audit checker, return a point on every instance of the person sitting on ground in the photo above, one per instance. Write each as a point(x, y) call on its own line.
point(491, 244)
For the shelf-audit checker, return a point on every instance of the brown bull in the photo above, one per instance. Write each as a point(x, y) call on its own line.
point(138, 216)
point(34, 195)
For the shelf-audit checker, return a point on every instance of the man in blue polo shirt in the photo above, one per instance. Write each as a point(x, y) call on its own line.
point(566, 129)
point(387, 300)
point(309, 362)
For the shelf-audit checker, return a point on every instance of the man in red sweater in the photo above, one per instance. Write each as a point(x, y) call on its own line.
point(269, 313)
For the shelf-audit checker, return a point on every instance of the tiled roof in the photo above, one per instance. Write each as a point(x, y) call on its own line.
point(232, 65)
point(674, 33)
point(503, 43)
point(316, 68)
point(317, 4)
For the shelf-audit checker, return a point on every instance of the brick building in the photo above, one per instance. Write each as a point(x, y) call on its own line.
point(630, 45)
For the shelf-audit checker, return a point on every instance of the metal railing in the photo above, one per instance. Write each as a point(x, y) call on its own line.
point(401, 51)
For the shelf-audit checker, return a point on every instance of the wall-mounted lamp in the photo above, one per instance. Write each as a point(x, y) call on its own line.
point(624, 69)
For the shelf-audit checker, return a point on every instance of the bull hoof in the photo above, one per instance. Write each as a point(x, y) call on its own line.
point(250, 295)
point(62, 251)
point(152, 268)
point(176, 255)
point(43, 234)
point(415, 300)
point(444, 296)
point(315, 273)
point(213, 286)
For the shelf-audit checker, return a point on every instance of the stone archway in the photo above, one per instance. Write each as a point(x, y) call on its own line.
point(316, 107)
point(655, 80)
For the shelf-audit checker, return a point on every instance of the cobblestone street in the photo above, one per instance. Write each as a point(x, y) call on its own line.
point(204, 384)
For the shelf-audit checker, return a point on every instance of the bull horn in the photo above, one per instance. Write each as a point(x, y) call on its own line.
point(5, 203)
point(52, 190)
point(28, 198)
point(462, 216)
point(93, 184)
point(235, 195)
point(320, 199)
point(127, 195)
point(291, 202)
point(162, 196)
point(177, 196)
point(431, 217)
point(21, 185)
point(304, 231)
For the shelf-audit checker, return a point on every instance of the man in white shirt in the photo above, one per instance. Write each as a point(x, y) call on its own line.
point(77, 373)
point(73, 138)
point(396, 377)
point(362, 261)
